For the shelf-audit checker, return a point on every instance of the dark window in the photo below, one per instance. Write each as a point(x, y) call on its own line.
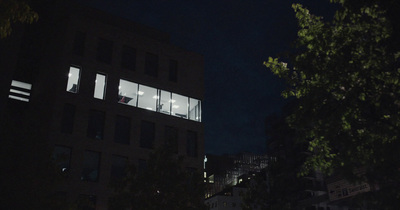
point(96, 125)
point(67, 121)
point(104, 50)
point(122, 129)
point(118, 167)
point(142, 166)
point(173, 70)
point(191, 144)
point(128, 59)
point(151, 65)
point(79, 43)
point(171, 138)
point(91, 164)
point(87, 202)
point(62, 158)
point(147, 134)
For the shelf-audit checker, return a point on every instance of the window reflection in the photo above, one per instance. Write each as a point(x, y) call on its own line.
point(73, 79)
point(127, 92)
point(179, 105)
point(148, 97)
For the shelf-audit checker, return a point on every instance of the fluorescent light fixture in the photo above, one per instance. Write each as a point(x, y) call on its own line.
point(172, 101)
point(149, 108)
point(19, 92)
point(18, 98)
point(155, 96)
point(19, 84)
point(175, 106)
point(140, 92)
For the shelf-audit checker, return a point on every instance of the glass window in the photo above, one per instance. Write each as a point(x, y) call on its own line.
point(73, 79)
point(96, 125)
point(128, 59)
point(195, 109)
point(191, 144)
point(122, 130)
point(127, 92)
point(79, 43)
point(147, 135)
point(67, 121)
point(179, 105)
point(104, 50)
point(91, 165)
point(151, 65)
point(165, 102)
point(99, 87)
point(171, 138)
point(118, 167)
point(148, 97)
point(173, 70)
point(62, 158)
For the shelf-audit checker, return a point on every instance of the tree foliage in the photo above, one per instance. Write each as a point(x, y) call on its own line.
point(346, 79)
point(164, 184)
point(14, 11)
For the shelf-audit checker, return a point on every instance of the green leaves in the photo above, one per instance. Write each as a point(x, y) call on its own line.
point(346, 77)
point(14, 11)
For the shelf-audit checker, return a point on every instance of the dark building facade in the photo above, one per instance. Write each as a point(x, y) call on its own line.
point(104, 93)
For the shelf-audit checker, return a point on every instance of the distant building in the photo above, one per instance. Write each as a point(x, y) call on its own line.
point(224, 170)
point(107, 90)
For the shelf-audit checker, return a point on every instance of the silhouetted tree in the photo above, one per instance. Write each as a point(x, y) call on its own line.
point(164, 184)
point(15, 11)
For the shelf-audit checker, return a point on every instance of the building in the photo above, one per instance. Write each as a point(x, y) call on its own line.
point(224, 170)
point(104, 92)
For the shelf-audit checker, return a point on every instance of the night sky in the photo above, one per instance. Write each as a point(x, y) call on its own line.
point(235, 37)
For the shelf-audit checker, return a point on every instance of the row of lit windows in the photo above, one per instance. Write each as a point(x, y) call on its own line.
point(142, 96)
point(122, 131)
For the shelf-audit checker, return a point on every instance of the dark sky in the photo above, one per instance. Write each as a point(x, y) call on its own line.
point(235, 37)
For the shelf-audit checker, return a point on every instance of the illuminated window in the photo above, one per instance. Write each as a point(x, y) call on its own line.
point(91, 165)
point(148, 97)
point(99, 87)
point(195, 109)
point(122, 130)
point(128, 58)
point(127, 92)
point(73, 79)
point(164, 105)
point(67, 121)
point(179, 105)
point(96, 125)
point(20, 91)
point(151, 65)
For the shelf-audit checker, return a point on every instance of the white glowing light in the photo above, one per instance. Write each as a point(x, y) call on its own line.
point(140, 92)
point(175, 106)
point(172, 101)
point(155, 97)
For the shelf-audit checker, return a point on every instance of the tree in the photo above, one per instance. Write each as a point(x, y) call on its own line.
point(345, 76)
point(164, 184)
point(14, 11)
